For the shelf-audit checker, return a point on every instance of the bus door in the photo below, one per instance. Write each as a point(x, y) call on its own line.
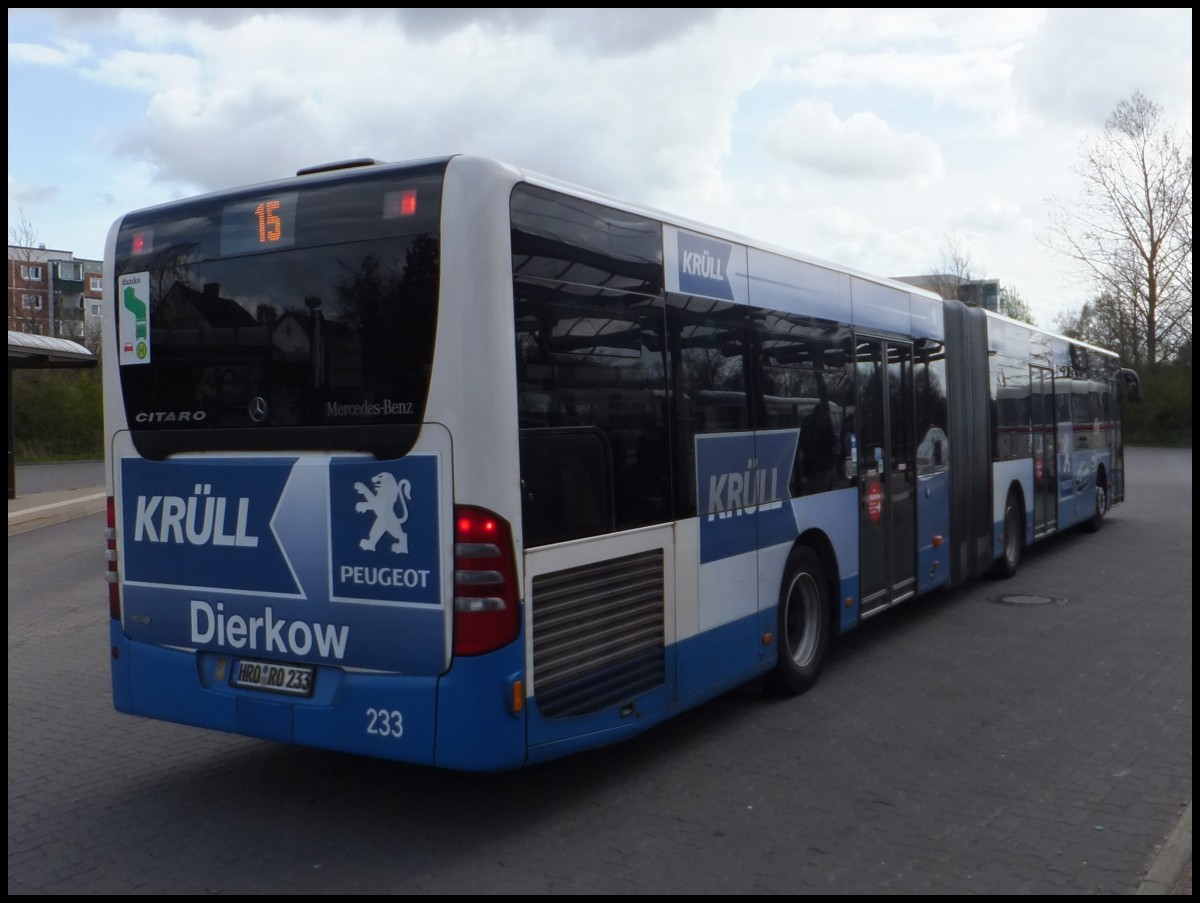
point(887, 473)
point(1045, 451)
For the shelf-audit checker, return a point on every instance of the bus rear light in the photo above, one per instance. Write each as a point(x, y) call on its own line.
point(142, 243)
point(400, 203)
point(110, 554)
point(487, 611)
point(471, 605)
point(478, 578)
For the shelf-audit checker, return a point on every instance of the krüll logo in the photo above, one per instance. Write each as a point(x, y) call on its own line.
point(744, 491)
point(704, 266)
point(200, 519)
point(382, 503)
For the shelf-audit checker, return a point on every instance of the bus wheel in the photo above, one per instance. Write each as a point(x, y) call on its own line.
point(1014, 540)
point(1092, 524)
point(804, 623)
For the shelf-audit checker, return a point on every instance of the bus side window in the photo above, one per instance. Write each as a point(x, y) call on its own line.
point(642, 483)
point(566, 484)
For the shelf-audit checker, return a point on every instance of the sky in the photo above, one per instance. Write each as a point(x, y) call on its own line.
point(883, 139)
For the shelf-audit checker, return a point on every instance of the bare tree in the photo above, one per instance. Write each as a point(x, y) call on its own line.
point(953, 277)
point(22, 255)
point(93, 337)
point(952, 271)
point(21, 234)
point(1131, 232)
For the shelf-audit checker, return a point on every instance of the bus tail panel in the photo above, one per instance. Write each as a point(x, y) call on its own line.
point(294, 597)
point(293, 560)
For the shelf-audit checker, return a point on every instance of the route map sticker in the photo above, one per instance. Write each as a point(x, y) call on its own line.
point(133, 319)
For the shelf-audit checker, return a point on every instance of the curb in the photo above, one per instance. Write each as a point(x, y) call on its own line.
point(41, 509)
point(1171, 872)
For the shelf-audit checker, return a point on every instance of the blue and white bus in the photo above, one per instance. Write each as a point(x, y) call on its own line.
point(454, 464)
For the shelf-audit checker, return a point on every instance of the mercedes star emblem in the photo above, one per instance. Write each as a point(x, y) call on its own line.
point(258, 409)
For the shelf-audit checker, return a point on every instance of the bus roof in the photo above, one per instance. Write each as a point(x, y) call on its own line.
point(992, 315)
point(690, 225)
point(521, 174)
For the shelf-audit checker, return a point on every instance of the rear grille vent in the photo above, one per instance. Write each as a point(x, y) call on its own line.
point(598, 634)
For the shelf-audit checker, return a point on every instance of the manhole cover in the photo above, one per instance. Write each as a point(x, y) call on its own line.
point(1023, 599)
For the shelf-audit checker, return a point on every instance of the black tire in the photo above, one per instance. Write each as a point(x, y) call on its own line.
point(804, 623)
point(1093, 523)
point(1014, 539)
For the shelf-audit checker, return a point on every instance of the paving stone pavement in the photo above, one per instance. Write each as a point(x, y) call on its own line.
point(1007, 772)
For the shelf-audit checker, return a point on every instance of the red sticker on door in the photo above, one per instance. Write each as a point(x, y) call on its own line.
point(875, 500)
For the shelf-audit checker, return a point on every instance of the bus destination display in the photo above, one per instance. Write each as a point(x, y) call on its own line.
point(259, 224)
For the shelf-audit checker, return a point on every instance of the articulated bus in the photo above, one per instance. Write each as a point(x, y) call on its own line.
point(454, 464)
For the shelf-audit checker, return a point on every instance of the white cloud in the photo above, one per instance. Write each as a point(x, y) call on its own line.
point(858, 135)
point(1084, 61)
point(21, 195)
point(812, 136)
point(992, 214)
point(67, 53)
point(283, 97)
point(147, 73)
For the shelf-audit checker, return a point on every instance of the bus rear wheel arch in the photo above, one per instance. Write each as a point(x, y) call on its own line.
point(804, 623)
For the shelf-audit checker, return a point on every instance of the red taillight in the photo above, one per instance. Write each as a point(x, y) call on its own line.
point(487, 611)
point(400, 203)
point(110, 535)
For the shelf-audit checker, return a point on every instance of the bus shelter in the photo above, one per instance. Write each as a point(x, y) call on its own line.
point(37, 352)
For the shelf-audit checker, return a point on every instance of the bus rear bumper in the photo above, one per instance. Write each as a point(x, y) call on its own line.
point(463, 719)
point(384, 716)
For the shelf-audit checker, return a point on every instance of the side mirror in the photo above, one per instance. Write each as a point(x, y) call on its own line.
point(1133, 385)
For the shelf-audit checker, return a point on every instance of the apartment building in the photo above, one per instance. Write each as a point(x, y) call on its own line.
point(54, 293)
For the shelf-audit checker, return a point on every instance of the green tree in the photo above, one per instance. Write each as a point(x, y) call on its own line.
point(1105, 322)
point(57, 414)
point(1013, 306)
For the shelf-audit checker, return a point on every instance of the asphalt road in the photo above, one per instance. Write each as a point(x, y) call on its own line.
point(1031, 736)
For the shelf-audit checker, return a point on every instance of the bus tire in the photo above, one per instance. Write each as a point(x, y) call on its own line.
point(804, 623)
point(1013, 542)
point(1092, 524)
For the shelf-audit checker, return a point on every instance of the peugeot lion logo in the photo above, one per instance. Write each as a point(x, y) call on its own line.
point(382, 504)
point(258, 409)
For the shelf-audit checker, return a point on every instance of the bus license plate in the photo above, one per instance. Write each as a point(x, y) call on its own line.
point(295, 680)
